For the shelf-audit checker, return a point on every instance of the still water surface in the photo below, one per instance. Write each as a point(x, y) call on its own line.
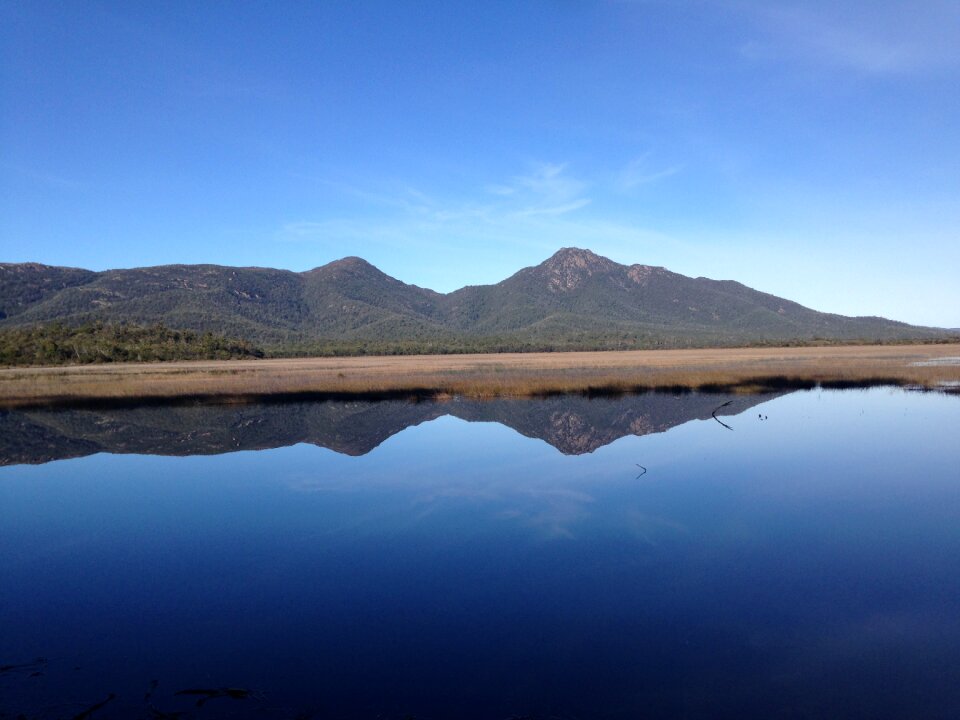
point(567, 558)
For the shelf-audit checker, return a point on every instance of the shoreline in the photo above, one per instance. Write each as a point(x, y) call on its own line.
point(935, 366)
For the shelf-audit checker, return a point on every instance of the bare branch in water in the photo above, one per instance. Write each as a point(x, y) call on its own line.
point(714, 414)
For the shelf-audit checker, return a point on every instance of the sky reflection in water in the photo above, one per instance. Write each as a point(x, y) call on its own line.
point(802, 565)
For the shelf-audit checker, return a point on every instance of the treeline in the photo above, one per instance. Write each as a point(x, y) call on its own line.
point(457, 346)
point(481, 345)
point(99, 342)
point(59, 344)
point(490, 344)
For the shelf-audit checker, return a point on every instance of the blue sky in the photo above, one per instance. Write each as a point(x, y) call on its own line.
point(807, 149)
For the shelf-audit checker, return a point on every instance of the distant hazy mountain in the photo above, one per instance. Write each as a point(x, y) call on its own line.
point(575, 299)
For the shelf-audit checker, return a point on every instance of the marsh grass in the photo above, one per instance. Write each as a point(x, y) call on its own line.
point(485, 376)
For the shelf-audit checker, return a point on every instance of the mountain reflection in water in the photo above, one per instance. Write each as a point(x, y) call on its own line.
point(802, 567)
point(574, 425)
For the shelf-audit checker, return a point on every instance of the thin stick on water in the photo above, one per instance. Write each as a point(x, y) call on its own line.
point(714, 414)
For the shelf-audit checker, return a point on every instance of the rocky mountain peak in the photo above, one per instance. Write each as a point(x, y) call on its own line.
point(352, 262)
point(350, 265)
point(568, 268)
point(579, 258)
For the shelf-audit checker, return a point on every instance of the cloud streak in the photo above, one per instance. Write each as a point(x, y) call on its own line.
point(641, 172)
point(546, 190)
point(531, 214)
point(553, 209)
point(51, 180)
point(885, 39)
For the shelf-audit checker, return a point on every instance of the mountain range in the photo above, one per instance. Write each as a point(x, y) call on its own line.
point(575, 299)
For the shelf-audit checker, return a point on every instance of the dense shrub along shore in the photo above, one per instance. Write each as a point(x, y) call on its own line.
point(58, 344)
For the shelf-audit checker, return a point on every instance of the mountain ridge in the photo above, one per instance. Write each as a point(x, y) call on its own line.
point(575, 299)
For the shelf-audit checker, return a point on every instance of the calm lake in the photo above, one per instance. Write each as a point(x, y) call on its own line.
point(796, 556)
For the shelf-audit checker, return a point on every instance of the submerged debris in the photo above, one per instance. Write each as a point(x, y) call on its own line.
point(156, 714)
point(153, 686)
point(93, 708)
point(211, 693)
point(34, 667)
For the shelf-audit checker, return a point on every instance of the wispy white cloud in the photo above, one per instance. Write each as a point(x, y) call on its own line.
point(49, 179)
point(642, 171)
point(530, 214)
point(879, 38)
point(303, 228)
point(546, 190)
point(405, 197)
point(549, 180)
point(553, 209)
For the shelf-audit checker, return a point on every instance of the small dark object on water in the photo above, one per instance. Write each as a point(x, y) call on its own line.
point(642, 468)
point(156, 714)
point(37, 665)
point(153, 686)
point(714, 414)
point(93, 708)
point(211, 693)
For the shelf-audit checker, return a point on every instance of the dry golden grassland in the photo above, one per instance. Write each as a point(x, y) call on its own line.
point(515, 375)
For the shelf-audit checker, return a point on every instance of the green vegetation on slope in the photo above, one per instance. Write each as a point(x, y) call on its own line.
point(58, 344)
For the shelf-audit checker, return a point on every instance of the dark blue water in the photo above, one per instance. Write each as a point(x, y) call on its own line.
point(805, 564)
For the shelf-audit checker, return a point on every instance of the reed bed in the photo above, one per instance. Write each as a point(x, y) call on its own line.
point(485, 376)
